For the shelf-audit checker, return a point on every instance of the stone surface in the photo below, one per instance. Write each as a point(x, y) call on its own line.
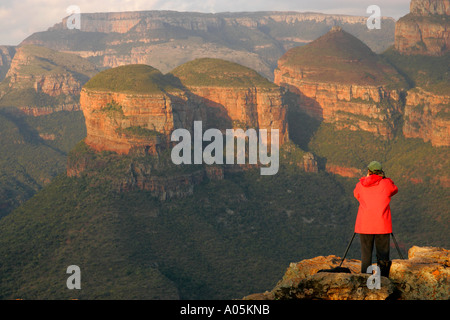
point(427, 117)
point(335, 90)
point(424, 275)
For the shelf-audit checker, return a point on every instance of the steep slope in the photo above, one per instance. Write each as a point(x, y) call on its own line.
point(41, 80)
point(232, 91)
point(338, 79)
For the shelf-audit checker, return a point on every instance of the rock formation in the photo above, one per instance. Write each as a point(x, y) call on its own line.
point(340, 80)
point(6, 56)
point(426, 29)
point(120, 119)
point(41, 80)
point(166, 39)
point(423, 276)
point(427, 116)
point(234, 93)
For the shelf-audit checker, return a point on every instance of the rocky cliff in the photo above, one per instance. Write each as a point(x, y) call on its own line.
point(41, 80)
point(132, 111)
point(6, 56)
point(427, 116)
point(340, 80)
point(234, 96)
point(424, 275)
point(426, 29)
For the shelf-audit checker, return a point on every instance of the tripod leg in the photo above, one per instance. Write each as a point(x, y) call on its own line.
point(346, 250)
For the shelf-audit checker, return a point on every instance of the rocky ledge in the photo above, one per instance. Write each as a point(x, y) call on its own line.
point(424, 275)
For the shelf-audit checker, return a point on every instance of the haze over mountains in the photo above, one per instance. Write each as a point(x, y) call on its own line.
point(86, 117)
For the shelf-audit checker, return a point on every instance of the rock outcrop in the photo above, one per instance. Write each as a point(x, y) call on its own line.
point(340, 80)
point(427, 116)
point(425, 30)
point(6, 56)
point(39, 77)
point(234, 96)
point(120, 119)
point(423, 276)
point(133, 110)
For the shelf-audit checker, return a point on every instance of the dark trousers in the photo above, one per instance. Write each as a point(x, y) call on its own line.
point(381, 241)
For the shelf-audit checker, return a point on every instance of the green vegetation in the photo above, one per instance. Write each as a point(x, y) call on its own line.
point(231, 238)
point(429, 73)
point(27, 161)
point(135, 78)
point(219, 73)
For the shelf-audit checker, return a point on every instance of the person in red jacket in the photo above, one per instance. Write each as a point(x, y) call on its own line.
point(373, 222)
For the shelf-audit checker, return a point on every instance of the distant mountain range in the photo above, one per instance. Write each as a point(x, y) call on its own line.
point(166, 39)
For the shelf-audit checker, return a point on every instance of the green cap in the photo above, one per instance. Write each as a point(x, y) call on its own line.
point(375, 166)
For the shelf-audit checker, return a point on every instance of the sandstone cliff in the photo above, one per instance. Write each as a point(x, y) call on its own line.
point(232, 92)
point(427, 116)
point(423, 276)
point(340, 80)
point(42, 80)
point(132, 111)
point(425, 30)
point(166, 39)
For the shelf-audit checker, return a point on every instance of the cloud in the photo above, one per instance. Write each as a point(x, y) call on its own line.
point(19, 19)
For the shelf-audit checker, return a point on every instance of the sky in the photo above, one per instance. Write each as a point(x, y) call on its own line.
point(21, 18)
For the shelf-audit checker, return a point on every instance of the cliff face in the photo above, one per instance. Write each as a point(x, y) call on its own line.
point(133, 110)
point(243, 108)
point(107, 114)
point(42, 78)
point(423, 276)
point(166, 39)
point(355, 107)
point(427, 117)
point(336, 85)
point(6, 56)
point(426, 29)
point(121, 121)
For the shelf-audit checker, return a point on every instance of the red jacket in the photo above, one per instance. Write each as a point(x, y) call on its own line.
point(374, 195)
